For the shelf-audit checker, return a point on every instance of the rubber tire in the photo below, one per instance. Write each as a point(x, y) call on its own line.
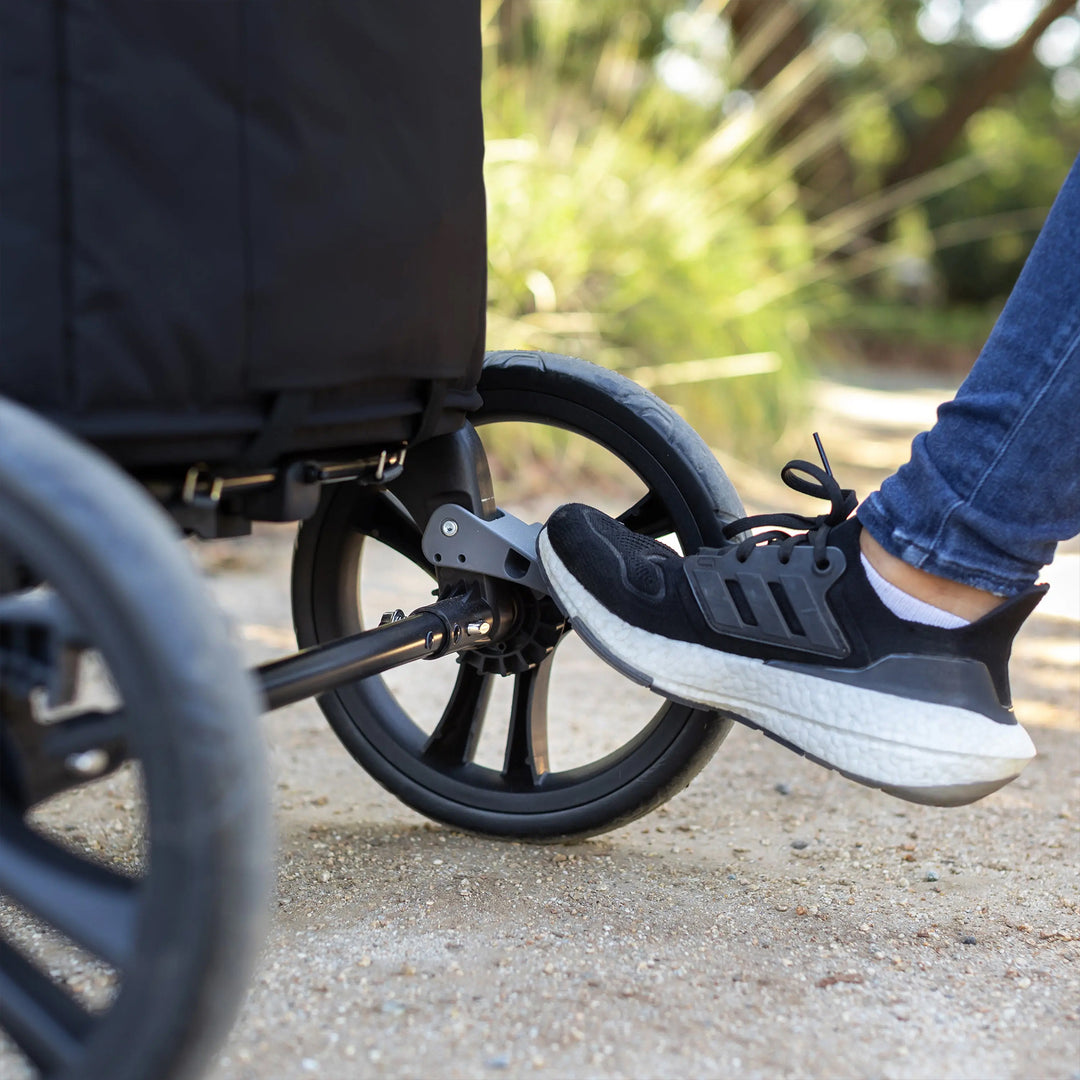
point(617, 413)
point(114, 557)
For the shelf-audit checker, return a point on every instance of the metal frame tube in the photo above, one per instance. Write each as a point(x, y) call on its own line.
point(459, 622)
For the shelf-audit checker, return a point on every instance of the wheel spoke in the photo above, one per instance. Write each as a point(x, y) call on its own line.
point(384, 519)
point(93, 730)
point(48, 1026)
point(60, 755)
point(39, 640)
point(42, 608)
point(526, 740)
point(93, 906)
point(455, 737)
point(648, 516)
point(77, 750)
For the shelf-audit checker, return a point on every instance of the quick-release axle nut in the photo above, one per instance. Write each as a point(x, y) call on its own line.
point(87, 763)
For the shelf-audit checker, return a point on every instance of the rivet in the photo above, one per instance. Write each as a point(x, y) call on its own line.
point(87, 762)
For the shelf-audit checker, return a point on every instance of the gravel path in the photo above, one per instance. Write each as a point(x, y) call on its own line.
point(823, 932)
point(773, 920)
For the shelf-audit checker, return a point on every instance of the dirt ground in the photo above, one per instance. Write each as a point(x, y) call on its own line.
point(773, 920)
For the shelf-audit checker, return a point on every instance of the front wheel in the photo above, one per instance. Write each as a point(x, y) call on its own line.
point(134, 853)
point(510, 752)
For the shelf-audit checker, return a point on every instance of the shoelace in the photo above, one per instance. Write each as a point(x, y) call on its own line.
point(822, 485)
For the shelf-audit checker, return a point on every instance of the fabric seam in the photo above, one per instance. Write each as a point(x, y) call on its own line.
point(65, 194)
point(244, 195)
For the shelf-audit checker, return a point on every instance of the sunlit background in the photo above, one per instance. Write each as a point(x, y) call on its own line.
point(723, 197)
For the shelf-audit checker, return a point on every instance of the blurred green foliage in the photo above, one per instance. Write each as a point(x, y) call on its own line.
point(713, 188)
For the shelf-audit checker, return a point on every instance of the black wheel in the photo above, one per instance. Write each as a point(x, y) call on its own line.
point(133, 825)
point(482, 752)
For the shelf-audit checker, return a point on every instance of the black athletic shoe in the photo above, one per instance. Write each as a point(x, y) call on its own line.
point(785, 633)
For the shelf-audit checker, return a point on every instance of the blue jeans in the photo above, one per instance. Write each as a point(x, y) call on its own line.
point(995, 484)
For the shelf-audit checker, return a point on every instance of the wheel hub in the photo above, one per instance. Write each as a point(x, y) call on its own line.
point(538, 625)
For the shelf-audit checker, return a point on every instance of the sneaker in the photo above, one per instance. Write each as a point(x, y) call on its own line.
point(786, 634)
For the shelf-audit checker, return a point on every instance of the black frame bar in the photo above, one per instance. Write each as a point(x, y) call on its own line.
point(461, 621)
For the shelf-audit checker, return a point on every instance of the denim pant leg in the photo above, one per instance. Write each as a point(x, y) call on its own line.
point(993, 486)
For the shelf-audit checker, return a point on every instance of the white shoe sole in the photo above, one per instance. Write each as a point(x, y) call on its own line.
point(924, 752)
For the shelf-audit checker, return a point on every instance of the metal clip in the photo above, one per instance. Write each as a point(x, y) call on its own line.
point(190, 491)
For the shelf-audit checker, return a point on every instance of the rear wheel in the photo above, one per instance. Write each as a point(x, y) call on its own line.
point(133, 818)
point(499, 745)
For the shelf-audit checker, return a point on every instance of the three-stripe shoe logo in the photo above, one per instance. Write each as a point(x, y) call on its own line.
point(763, 599)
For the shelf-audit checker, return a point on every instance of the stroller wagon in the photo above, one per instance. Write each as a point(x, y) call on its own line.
point(242, 270)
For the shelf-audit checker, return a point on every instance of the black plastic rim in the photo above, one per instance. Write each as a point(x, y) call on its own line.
point(181, 937)
point(687, 495)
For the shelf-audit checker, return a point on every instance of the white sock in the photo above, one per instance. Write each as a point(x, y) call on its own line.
point(910, 607)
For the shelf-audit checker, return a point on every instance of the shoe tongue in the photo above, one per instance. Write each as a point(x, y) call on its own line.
point(845, 536)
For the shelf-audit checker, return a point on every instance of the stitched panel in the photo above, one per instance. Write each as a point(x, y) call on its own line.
point(805, 586)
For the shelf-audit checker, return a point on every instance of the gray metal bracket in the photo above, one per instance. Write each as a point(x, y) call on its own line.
point(504, 547)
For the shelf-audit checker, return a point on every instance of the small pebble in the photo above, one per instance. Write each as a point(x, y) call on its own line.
point(782, 789)
point(931, 875)
point(500, 1062)
point(798, 845)
point(967, 940)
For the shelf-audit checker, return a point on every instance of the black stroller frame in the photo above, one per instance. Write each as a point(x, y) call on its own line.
point(199, 761)
point(319, 360)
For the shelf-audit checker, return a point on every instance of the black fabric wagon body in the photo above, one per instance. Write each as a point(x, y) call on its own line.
point(236, 229)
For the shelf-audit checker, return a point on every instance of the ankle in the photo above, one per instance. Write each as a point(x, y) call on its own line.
point(952, 596)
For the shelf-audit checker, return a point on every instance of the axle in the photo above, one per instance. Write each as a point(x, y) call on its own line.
point(461, 621)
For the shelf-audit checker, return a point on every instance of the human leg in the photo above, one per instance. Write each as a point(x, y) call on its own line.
point(790, 634)
point(995, 484)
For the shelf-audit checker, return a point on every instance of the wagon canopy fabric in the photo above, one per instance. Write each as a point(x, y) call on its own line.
point(211, 207)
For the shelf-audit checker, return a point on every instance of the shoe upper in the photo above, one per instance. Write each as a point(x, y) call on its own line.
point(800, 602)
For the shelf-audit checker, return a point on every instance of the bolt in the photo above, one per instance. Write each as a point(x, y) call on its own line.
point(449, 527)
point(87, 762)
point(478, 629)
point(391, 617)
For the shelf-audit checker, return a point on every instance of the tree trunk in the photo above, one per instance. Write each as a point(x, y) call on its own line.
point(998, 75)
point(515, 22)
point(769, 34)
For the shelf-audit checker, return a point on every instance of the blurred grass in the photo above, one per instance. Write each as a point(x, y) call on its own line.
point(670, 234)
point(610, 243)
